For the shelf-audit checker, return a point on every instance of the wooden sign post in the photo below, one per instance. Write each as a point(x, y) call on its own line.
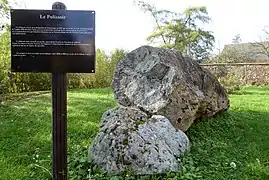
point(59, 119)
point(57, 41)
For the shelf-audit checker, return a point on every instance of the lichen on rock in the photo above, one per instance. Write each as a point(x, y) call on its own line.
point(152, 147)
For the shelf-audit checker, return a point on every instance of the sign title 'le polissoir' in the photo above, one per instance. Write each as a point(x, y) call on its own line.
point(51, 17)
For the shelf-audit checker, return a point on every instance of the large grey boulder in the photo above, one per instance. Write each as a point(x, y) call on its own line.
point(130, 140)
point(163, 82)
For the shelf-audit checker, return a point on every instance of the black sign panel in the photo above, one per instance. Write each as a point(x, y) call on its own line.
point(52, 41)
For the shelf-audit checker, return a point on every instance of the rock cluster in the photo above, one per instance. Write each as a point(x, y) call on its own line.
point(160, 95)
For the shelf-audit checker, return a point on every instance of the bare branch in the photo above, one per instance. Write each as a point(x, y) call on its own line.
point(261, 47)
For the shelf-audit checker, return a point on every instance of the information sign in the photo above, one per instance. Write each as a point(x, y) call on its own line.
point(52, 41)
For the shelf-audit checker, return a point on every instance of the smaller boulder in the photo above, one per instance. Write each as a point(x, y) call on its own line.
point(130, 140)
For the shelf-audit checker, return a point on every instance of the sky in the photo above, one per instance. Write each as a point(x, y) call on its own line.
point(121, 24)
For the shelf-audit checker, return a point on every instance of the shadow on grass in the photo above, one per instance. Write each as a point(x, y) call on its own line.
point(253, 90)
point(21, 96)
point(101, 91)
point(234, 137)
point(249, 93)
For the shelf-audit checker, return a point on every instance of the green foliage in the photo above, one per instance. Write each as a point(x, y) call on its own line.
point(16, 82)
point(116, 56)
point(78, 163)
point(231, 82)
point(4, 62)
point(181, 31)
point(5, 6)
point(4, 9)
point(105, 67)
point(189, 170)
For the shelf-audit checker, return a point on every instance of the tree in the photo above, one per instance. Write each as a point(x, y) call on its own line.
point(233, 53)
point(262, 47)
point(4, 13)
point(116, 56)
point(4, 61)
point(4, 46)
point(180, 30)
point(237, 39)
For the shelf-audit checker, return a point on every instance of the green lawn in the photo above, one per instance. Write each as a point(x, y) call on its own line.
point(232, 146)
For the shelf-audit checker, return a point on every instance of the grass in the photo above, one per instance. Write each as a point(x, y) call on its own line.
point(232, 146)
point(25, 132)
point(239, 137)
